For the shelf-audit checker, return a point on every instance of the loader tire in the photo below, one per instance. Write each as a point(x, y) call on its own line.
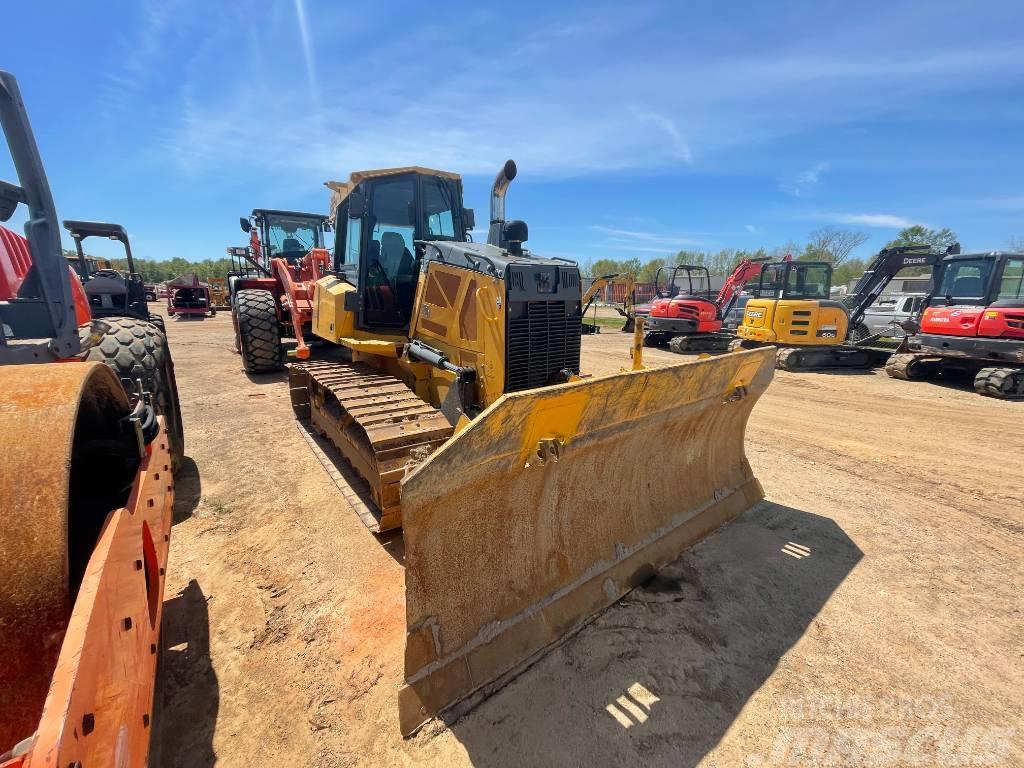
point(138, 351)
point(259, 333)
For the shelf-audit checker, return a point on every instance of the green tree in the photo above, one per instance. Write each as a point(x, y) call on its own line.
point(648, 271)
point(848, 271)
point(602, 267)
point(920, 235)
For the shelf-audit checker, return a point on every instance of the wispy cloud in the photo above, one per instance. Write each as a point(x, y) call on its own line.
point(750, 228)
point(121, 87)
point(879, 220)
point(551, 97)
point(680, 148)
point(307, 50)
point(635, 237)
point(803, 183)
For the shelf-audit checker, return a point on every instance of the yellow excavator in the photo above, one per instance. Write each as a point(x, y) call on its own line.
point(530, 496)
point(792, 309)
point(628, 308)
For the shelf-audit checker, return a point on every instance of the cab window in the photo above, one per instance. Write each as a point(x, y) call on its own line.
point(965, 281)
point(808, 281)
point(390, 260)
point(1011, 285)
point(439, 208)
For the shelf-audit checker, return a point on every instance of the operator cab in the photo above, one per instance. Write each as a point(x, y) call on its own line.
point(383, 219)
point(810, 280)
point(683, 281)
point(287, 235)
point(111, 292)
point(980, 279)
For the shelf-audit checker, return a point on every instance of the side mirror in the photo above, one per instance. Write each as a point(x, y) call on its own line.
point(10, 196)
point(468, 219)
point(244, 223)
point(356, 205)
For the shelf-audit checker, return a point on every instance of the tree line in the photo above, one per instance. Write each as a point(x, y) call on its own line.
point(830, 244)
point(158, 271)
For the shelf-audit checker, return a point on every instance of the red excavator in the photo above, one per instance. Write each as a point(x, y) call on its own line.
point(691, 321)
point(973, 324)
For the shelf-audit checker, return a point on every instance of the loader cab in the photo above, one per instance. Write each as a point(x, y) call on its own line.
point(381, 224)
point(288, 235)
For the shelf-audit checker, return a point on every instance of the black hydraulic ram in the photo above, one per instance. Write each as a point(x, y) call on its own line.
point(461, 398)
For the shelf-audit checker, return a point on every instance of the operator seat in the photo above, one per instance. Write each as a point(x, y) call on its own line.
point(401, 267)
point(380, 304)
point(968, 287)
point(292, 250)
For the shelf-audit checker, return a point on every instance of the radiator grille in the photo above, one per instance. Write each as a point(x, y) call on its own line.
point(543, 339)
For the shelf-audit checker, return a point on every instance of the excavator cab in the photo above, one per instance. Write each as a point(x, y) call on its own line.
point(683, 280)
point(792, 306)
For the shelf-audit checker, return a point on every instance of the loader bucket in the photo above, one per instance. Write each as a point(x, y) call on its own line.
point(554, 503)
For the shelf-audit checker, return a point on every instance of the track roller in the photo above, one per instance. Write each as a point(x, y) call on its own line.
point(1003, 383)
point(823, 358)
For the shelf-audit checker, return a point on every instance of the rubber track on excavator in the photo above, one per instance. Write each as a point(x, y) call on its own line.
point(380, 426)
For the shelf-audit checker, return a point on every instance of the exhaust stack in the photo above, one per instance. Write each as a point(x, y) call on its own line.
point(501, 182)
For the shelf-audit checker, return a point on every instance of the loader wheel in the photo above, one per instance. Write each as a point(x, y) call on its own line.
point(138, 350)
point(259, 333)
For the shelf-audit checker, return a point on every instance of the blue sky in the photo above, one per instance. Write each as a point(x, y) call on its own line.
point(639, 128)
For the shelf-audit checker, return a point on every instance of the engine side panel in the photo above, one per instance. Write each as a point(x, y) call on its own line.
point(462, 313)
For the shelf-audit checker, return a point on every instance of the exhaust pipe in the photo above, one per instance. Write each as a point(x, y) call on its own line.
point(501, 182)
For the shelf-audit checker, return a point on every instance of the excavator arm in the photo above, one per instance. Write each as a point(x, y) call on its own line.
point(629, 305)
point(744, 272)
point(884, 267)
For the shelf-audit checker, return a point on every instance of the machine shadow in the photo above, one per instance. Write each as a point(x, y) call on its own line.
point(189, 695)
point(659, 678)
point(262, 379)
point(188, 489)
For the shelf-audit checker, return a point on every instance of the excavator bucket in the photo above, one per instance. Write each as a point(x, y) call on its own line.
point(553, 503)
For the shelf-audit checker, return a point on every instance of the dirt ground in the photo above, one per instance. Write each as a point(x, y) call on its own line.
point(868, 613)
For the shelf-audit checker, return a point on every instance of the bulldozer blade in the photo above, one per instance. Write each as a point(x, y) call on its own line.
point(553, 503)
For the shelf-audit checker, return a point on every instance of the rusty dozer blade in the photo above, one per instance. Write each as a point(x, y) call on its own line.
point(554, 503)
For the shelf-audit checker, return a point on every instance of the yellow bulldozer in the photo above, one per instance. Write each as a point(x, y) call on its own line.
point(530, 495)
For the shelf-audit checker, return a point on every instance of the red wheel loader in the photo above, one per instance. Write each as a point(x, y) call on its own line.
point(287, 250)
point(86, 491)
